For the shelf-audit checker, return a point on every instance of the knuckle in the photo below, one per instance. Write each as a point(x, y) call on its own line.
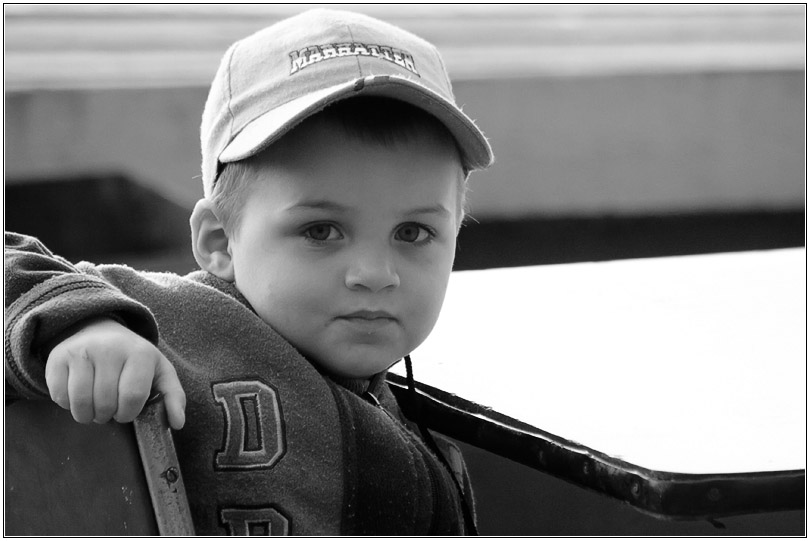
point(140, 351)
point(128, 398)
point(148, 350)
point(57, 359)
point(76, 357)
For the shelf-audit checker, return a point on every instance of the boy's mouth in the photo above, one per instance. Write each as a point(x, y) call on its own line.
point(368, 320)
point(369, 315)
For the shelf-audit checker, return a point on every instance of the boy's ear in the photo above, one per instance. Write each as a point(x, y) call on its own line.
point(210, 242)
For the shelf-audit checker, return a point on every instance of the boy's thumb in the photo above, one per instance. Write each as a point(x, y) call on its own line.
point(174, 398)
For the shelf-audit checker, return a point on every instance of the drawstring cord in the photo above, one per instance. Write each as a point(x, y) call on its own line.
point(409, 375)
point(431, 443)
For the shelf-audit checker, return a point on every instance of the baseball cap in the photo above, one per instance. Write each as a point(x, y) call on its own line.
point(270, 81)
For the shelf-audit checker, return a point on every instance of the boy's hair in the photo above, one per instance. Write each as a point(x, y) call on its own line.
point(385, 122)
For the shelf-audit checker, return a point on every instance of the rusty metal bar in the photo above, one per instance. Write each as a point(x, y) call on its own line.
point(162, 470)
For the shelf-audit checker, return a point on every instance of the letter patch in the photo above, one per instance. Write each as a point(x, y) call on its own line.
point(254, 427)
point(254, 521)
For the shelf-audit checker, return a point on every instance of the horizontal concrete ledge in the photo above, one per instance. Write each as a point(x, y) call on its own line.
point(76, 47)
point(169, 69)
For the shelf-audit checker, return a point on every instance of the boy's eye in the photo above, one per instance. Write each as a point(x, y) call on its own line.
point(322, 232)
point(413, 233)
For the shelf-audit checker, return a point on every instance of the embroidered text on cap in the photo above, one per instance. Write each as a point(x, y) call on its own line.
point(313, 54)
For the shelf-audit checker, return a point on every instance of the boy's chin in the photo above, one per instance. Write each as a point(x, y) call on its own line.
point(354, 359)
point(357, 373)
point(355, 368)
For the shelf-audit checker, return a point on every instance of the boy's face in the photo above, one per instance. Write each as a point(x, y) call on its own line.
point(345, 248)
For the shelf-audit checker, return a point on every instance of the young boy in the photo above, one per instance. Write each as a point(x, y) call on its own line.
point(334, 167)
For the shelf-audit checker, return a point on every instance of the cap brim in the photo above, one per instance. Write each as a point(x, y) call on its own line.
point(269, 127)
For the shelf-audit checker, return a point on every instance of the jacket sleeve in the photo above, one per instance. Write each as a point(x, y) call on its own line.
point(45, 297)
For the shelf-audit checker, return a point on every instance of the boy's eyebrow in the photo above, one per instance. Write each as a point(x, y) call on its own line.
point(325, 204)
point(318, 204)
point(438, 209)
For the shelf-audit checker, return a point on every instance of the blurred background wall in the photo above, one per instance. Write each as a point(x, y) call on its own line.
point(619, 131)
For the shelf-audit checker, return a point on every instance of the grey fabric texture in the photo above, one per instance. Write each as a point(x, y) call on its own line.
point(270, 445)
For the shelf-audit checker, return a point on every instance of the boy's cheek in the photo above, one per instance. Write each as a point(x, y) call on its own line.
point(430, 303)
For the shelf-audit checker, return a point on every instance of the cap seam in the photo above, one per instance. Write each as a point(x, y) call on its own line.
point(230, 93)
point(356, 58)
point(232, 117)
point(444, 70)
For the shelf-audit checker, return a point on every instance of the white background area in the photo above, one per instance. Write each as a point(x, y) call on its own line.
point(684, 364)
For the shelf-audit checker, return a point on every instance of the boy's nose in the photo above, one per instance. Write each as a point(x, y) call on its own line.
point(372, 272)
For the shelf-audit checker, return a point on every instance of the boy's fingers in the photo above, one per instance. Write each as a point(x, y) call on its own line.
point(174, 397)
point(105, 393)
point(134, 385)
point(56, 377)
point(80, 389)
point(175, 409)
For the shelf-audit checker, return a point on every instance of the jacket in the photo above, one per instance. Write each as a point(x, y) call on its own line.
point(270, 445)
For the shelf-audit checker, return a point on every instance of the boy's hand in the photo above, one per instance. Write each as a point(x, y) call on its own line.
point(105, 371)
